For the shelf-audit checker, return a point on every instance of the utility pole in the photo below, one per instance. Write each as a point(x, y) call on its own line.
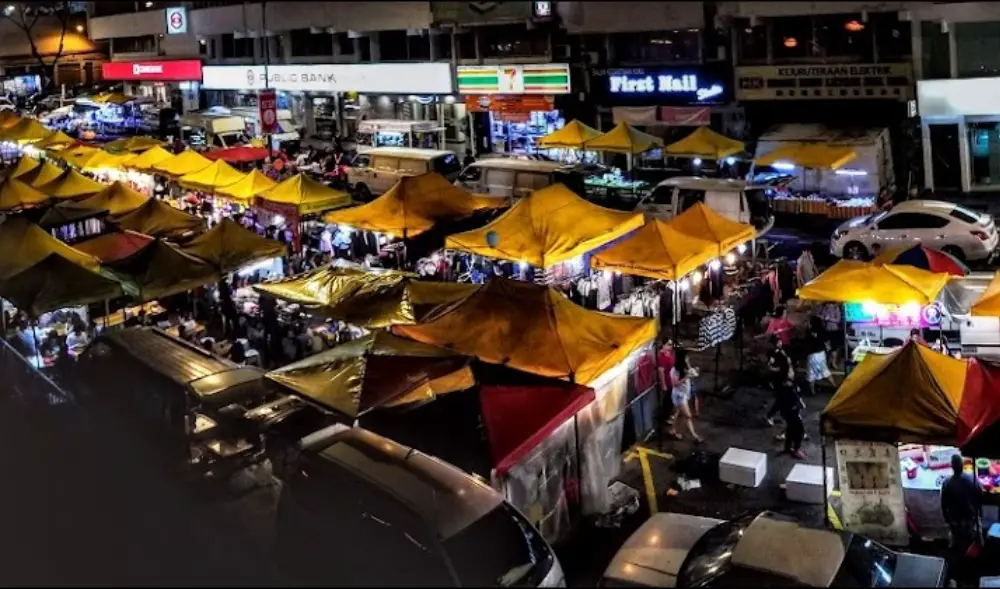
point(267, 74)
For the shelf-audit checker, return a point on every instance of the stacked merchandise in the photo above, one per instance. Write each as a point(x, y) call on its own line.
point(815, 204)
point(716, 327)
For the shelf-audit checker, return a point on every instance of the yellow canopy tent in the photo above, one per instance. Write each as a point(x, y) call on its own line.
point(249, 186)
point(809, 155)
point(535, 329)
point(54, 140)
point(215, 176)
point(111, 98)
point(549, 226)
point(117, 199)
point(159, 270)
point(16, 195)
point(78, 156)
point(24, 165)
point(988, 305)
point(24, 131)
point(57, 282)
point(186, 162)
point(229, 246)
point(365, 298)
point(849, 281)
point(412, 206)
point(375, 371)
point(133, 144)
point(909, 395)
point(72, 184)
point(306, 194)
point(704, 143)
point(159, 219)
point(8, 119)
point(43, 174)
point(670, 250)
point(145, 161)
point(572, 136)
point(25, 244)
point(624, 138)
point(107, 161)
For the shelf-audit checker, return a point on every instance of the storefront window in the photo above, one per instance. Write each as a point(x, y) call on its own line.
point(659, 47)
point(306, 43)
point(984, 153)
point(842, 35)
point(139, 44)
point(792, 37)
point(465, 42)
point(233, 47)
point(892, 36)
point(392, 45)
point(442, 43)
point(935, 51)
point(512, 41)
point(978, 47)
point(752, 40)
point(346, 44)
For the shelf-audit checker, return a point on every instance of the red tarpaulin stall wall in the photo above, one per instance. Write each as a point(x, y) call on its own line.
point(518, 418)
point(978, 428)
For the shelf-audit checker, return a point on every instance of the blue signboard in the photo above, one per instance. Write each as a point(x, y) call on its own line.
point(673, 86)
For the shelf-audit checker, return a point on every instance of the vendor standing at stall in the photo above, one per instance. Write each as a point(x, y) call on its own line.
point(962, 504)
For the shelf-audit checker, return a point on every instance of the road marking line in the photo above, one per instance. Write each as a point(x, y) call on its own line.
point(647, 478)
point(831, 514)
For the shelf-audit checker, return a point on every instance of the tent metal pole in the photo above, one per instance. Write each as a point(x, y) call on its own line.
point(826, 490)
point(847, 346)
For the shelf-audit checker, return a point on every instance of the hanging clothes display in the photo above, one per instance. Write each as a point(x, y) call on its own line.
point(716, 327)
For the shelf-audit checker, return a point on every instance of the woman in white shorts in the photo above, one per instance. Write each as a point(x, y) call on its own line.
point(681, 375)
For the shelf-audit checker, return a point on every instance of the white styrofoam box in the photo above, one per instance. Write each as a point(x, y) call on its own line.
point(743, 467)
point(805, 483)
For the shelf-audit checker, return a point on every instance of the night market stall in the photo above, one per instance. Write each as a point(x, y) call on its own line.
point(228, 247)
point(145, 161)
point(186, 162)
point(56, 140)
point(71, 221)
point(924, 258)
point(158, 270)
point(18, 196)
point(133, 144)
point(71, 185)
point(288, 204)
point(705, 144)
point(158, 219)
point(570, 138)
point(24, 165)
point(117, 199)
point(112, 247)
point(537, 330)
point(24, 131)
point(240, 154)
point(42, 175)
point(218, 175)
point(244, 190)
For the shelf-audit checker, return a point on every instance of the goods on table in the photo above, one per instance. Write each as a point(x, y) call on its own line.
point(819, 205)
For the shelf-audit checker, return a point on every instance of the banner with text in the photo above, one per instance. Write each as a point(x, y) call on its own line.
point(883, 81)
point(267, 103)
point(661, 86)
point(871, 491)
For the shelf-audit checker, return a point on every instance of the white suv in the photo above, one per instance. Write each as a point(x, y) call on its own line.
point(938, 225)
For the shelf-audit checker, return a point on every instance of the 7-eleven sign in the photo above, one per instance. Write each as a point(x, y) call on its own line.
point(511, 79)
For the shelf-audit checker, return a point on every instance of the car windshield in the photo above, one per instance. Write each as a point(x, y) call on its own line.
point(866, 564)
point(471, 174)
point(500, 548)
point(712, 553)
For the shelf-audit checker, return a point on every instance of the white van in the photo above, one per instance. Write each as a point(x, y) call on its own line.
point(734, 199)
point(376, 170)
point(215, 130)
point(508, 177)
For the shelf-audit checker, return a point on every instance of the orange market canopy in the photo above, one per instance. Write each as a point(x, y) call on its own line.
point(133, 144)
point(809, 155)
point(912, 394)
point(849, 281)
point(306, 194)
point(159, 270)
point(24, 131)
point(159, 219)
point(24, 165)
point(145, 161)
point(72, 184)
point(704, 143)
point(670, 250)
point(547, 227)
point(25, 244)
point(624, 138)
point(228, 247)
point(248, 187)
point(573, 136)
point(111, 247)
point(16, 195)
point(186, 162)
point(412, 206)
point(215, 176)
point(534, 329)
point(117, 199)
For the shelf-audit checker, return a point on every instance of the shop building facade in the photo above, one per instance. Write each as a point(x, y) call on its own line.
point(176, 83)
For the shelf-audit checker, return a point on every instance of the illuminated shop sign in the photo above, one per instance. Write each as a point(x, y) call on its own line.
point(911, 315)
point(664, 84)
point(374, 78)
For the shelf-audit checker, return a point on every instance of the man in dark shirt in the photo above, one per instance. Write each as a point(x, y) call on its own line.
point(779, 369)
point(961, 503)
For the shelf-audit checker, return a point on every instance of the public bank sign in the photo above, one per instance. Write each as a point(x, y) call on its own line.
point(375, 78)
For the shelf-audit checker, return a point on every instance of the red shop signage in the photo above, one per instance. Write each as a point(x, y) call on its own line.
point(181, 70)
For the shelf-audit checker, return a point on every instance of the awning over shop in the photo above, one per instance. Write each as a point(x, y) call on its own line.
point(25, 244)
point(624, 138)
point(849, 281)
point(67, 212)
point(912, 394)
point(70, 185)
point(43, 174)
point(56, 282)
point(145, 161)
point(988, 305)
point(24, 165)
point(413, 206)
point(159, 219)
point(186, 162)
point(24, 131)
point(572, 136)
point(219, 174)
point(307, 195)
point(248, 187)
point(160, 270)
point(238, 155)
point(535, 329)
point(377, 370)
point(670, 250)
point(133, 144)
point(16, 195)
point(229, 246)
point(704, 143)
point(369, 299)
point(549, 226)
point(54, 140)
point(112, 247)
point(117, 199)
point(809, 155)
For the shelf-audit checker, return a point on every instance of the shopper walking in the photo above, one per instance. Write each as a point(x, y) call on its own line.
point(681, 376)
point(962, 505)
point(817, 366)
point(791, 406)
point(779, 369)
